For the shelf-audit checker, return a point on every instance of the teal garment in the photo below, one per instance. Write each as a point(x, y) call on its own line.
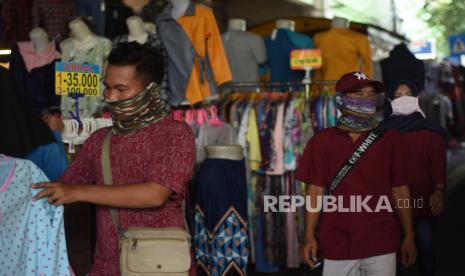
point(50, 158)
point(279, 54)
point(32, 238)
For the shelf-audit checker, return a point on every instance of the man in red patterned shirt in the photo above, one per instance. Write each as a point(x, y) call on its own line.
point(151, 155)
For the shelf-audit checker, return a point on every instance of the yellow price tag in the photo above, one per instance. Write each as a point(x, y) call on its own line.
point(75, 78)
point(306, 59)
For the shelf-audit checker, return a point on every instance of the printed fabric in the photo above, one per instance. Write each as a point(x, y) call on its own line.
point(32, 239)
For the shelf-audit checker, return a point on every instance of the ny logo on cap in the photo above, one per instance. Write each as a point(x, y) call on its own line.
point(361, 76)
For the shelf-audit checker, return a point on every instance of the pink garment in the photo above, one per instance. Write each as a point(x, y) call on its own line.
point(277, 162)
point(33, 59)
point(9, 177)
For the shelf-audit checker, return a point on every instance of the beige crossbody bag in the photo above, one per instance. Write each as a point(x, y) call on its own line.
point(144, 250)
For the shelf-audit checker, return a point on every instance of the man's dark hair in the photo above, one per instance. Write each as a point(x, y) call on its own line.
point(149, 61)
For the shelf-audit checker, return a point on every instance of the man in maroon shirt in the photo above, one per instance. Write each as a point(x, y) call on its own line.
point(151, 155)
point(357, 242)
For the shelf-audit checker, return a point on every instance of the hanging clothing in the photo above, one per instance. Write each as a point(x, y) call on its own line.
point(34, 59)
point(53, 16)
point(221, 235)
point(343, 50)
point(116, 14)
point(210, 135)
point(277, 159)
point(164, 153)
point(26, 132)
point(95, 11)
point(153, 41)
point(403, 65)
point(17, 19)
point(34, 75)
point(279, 54)
point(32, 236)
point(197, 61)
point(245, 51)
point(98, 54)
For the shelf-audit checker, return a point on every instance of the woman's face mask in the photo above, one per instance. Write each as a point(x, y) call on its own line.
point(405, 105)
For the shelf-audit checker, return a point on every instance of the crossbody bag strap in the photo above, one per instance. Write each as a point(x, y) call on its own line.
point(356, 155)
point(107, 176)
point(108, 180)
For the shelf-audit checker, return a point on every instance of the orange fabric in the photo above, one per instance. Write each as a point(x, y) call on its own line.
point(342, 50)
point(203, 32)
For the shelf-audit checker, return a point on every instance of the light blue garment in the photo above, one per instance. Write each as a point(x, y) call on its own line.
point(32, 239)
point(50, 158)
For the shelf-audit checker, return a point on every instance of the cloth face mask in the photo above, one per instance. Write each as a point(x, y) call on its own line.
point(137, 112)
point(406, 105)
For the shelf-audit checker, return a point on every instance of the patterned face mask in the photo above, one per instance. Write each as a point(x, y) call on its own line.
point(137, 112)
point(357, 113)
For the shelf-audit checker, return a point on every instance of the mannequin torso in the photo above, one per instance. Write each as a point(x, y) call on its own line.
point(235, 24)
point(83, 38)
point(39, 39)
point(283, 24)
point(137, 30)
point(225, 152)
point(179, 8)
point(341, 23)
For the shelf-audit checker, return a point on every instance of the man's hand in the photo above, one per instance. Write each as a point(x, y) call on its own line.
point(309, 250)
point(436, 202)
point(57, 193)
point(408, 251)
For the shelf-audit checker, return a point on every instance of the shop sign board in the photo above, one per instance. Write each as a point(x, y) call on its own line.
point(304, 59)
point(77, 79)
point(423, 49)
point(457, 44)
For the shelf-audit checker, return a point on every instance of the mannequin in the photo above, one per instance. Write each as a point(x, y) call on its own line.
point(245, 51)
point(150, 27)
point(234, 152)
point(197, 62)
point(283, 24)
point(279, 45)
point(83, 38)
point(83, 46)
point(238, 24)
point(340, 22)
point(343, 50)
point(39, 39)
point(235, 24)
point(179, 8)
point(137, 31)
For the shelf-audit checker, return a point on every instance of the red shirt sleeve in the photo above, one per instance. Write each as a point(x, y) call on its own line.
point(82, 170)
point(174, 168)
point(399, 170)
point(437, 159)
point(310, 169)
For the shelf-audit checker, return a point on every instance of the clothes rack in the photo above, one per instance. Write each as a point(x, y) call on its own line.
point(258, 85)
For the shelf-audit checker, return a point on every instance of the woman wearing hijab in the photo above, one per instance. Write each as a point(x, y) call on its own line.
point(426, 163)
point(27, 136)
